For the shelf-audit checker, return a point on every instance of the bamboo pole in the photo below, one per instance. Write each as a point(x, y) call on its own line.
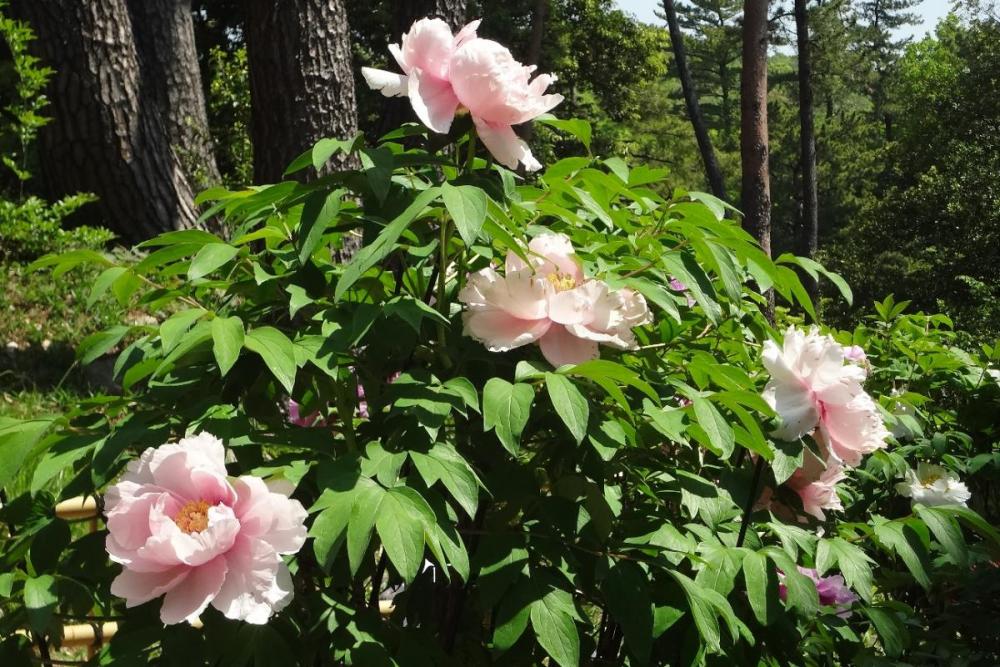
point(81, 507)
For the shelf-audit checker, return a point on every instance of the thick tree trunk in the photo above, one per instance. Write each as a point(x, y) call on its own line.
point(164, 35)
point(807, 140)
point(301, 80)
point(397, 110)
point(712, 169)
point(106, 135)
point(753, 131)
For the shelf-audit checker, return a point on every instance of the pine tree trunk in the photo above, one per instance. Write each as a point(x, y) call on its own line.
point(397, 110)
point(538, 15)
point(807, 140)
point(106, 136)
point(301, 80)
point(164, 35)
point(753, 124)
point(712, 169)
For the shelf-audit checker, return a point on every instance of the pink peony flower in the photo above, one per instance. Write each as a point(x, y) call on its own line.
point(855, 354)
point(816, 484)
point(832, 591)
point(811, 387)
point(445, 72)
point(296, 418)
point(678, 286)
point(182, 529)
point(552, 303)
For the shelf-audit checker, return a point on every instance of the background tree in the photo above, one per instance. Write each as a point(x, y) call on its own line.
point(878, 20)
point(754, 147)
point(712, 170)
point(106, 135)
point(164, 35)
point(807, 138)
point(301, 79)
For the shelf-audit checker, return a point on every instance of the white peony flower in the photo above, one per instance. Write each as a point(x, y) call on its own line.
point(933, 485)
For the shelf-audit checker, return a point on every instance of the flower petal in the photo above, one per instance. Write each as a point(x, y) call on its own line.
point(500, 331)
point(432, 99)
point(389, 84)
point(505, 146)
point(185, 603)
point(560, 347)
point(140, 587)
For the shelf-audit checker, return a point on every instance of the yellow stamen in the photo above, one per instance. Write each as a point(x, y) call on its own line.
point(561, 281)
point(193, 517)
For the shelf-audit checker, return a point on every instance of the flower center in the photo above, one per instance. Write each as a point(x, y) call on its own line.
point(930, 479)
point(193, 517)
point(561, 281)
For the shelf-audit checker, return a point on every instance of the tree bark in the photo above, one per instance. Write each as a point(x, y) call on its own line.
point(397, 110)
point(538, 15)
point(807, 141)
point(106, 135)
point(301, 80)
point(712, 170)
point(753, 124)
point(164, 36)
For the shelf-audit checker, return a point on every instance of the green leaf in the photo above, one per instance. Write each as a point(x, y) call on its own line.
point(174, 327)
point(367, 502)
point(466, 205)
point(17, 440)
point(210, 258)
point(443, 463)
point(890, 630)
point(329, 528)
point(227, 341)
point(853, 563)
point(720, 433)
point(569, 404)
point(946, 531)
point(512, 615)
point(41, 599)
point(378, 164)
point(103, 282)
point(372, 254)
point(762, 587)
point(401, 530)
point(626, 590)
point(320, 209)
point(555, 628)
point(60, 458)
point(506, 408)
point(905, 541)
point(701, 611)
point(318, 155)
point(277, 351)
point(787, 459)
point(98, 344)
point(577, 127)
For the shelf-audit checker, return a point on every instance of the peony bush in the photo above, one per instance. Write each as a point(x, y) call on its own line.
point(533, 420)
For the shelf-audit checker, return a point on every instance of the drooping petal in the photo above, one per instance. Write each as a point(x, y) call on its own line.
point(389, 84)
point(140, 587)
point(186, 602)
point(432, 99)
point(505, 146)
point(853, 429)
point(797, 410)
point(499, 331)
point(560, 347)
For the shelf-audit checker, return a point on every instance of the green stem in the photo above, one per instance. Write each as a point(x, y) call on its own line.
point(345, 408)
point(470, 159)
